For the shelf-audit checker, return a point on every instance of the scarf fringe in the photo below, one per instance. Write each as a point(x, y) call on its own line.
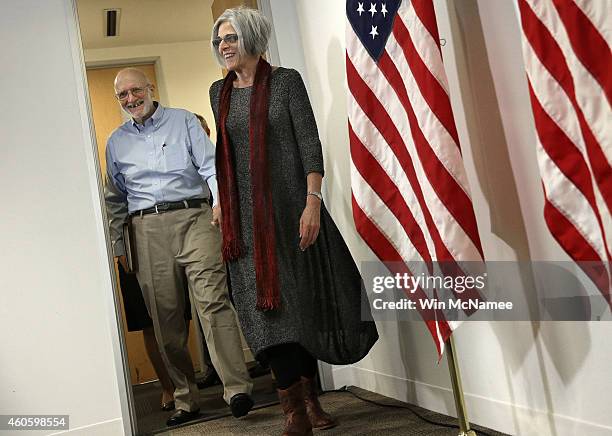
point(232, 250)
point(268, 300)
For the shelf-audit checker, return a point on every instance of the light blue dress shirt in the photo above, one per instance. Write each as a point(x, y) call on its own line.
point(169, 158)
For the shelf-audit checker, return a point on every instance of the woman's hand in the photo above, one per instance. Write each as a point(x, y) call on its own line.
point(217, 218)
point(310, 222)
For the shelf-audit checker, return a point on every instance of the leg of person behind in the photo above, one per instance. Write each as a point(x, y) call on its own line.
point(150, 342)
point(201, 257)
point(138, 319)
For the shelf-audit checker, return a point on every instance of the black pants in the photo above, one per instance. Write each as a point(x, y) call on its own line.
point(290, 362)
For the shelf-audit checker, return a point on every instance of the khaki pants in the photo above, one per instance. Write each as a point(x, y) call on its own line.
point(168, 244)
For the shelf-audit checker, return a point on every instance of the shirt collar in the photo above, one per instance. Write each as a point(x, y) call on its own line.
point(157, 115)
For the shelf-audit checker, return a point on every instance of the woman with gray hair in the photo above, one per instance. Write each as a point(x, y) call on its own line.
point(298, 298)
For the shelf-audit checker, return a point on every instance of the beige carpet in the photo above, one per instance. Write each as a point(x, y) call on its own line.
point(356, 418)
point(151, 419)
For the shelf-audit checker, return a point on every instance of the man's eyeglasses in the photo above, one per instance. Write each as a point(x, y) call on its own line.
point(230, 38)
point(136, 92)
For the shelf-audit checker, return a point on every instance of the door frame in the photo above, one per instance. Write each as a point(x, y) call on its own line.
point(128, 410)
point(126, 399)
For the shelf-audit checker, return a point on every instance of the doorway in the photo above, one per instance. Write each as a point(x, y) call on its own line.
point(107, 116)
point(176, 58)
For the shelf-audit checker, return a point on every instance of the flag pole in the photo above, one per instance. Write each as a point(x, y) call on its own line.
point(455, 375)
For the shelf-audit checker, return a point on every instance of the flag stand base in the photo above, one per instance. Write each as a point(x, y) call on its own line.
point(453, 367)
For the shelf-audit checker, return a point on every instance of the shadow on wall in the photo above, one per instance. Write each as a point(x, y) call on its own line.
point(495, 176)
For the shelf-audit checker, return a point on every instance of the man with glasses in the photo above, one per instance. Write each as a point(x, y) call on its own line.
point(160, 177)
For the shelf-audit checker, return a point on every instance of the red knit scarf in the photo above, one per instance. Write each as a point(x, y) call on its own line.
point(266, 271)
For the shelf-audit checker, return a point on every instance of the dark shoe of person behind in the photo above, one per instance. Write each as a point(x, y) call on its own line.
point(318, 417)
point(240, 405)
point(167, 400)
point(211, 378)
point(168, 406)
point(294, 409)
point(257, 370)
point(182, 416)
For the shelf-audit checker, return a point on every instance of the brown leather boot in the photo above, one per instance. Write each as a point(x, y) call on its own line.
point(318, 417)
point(294, 408)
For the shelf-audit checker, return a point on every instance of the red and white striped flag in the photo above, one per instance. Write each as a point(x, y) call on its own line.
point(411, 199)
point(566, 47)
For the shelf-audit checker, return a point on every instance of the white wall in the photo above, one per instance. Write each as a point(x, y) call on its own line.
point(185, 71)
point(519, 378)
point(57, 325)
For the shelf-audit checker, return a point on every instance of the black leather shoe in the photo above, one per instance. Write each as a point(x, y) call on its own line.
point(211, 378)
point(181, 417)
point(240, 404)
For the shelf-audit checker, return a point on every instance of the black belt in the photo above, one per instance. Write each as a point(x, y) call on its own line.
point(172, 205)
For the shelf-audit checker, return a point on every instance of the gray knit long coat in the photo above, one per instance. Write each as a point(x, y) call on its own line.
point(320, 288)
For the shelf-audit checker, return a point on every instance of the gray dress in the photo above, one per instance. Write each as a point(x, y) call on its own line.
point(320, 288)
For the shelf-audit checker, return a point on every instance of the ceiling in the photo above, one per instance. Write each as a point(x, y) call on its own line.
point(144, 22)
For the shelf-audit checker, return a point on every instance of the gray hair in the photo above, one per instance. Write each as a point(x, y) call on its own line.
point(252, 27)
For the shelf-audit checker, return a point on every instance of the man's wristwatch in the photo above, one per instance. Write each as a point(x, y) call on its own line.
point(316, 194)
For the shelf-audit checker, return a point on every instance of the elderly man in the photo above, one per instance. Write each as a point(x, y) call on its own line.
point(160, 177)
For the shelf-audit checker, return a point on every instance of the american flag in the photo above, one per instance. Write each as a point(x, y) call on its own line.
point(411, 199)
point(566, 47)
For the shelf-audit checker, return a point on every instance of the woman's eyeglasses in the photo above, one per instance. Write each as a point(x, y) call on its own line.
point(136, 92)
point(230, 38)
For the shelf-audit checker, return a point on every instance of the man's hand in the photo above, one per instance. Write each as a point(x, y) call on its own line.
point(217, 218)
point(310, 222)
point(123, 261)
